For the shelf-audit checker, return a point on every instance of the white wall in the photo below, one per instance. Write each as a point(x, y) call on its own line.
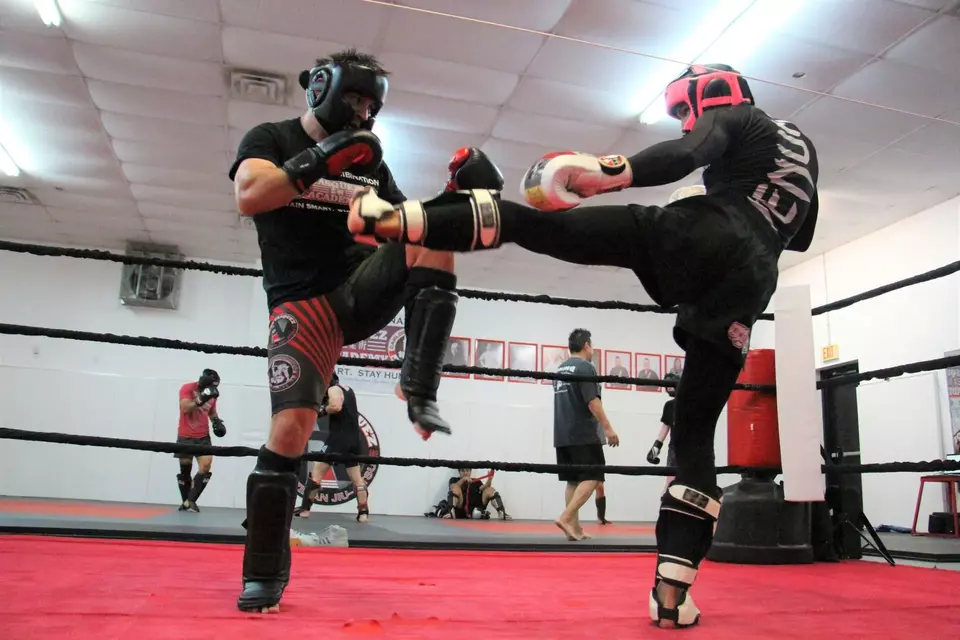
point(99, 389)
point(905, 418)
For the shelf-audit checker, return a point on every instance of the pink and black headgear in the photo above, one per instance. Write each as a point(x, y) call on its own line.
point(703, 87)
point(326, 85)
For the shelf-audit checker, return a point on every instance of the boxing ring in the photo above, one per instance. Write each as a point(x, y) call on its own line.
point(108, 569)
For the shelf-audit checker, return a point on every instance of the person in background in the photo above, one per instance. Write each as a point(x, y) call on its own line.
point(580, 429)
point(666, 424)
point(198, 408)
point(465, 494)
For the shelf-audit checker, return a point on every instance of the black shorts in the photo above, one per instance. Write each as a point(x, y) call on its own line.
point(472, 499)
point(306, 336)
point(715, 262)
point(204, 441)
point(581, 454)
point(344, 442)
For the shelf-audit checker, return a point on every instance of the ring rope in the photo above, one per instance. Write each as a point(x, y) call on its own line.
point(97, 254)
point(527, 467)
point(167, 343)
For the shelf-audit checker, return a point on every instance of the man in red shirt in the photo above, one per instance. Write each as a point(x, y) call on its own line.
point(198, 407)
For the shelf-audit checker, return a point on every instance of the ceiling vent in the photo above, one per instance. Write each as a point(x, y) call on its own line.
point(258, 86)
point(17, 195)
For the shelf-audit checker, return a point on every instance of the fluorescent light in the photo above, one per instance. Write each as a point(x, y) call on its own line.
point(729, 34)
point(7, 165)
point(49, 12)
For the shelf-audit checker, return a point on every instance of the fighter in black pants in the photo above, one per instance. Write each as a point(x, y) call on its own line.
point(714, 256)
point(344, 439)
point(296, 179)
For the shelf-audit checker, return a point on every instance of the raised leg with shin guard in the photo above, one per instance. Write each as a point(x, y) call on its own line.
point(271, 494)
point(431, 308)
point(688, 519)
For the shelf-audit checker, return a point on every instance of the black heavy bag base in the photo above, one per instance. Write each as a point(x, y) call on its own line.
point(757, 526)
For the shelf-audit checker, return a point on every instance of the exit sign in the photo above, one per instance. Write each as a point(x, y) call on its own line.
point(831, 352)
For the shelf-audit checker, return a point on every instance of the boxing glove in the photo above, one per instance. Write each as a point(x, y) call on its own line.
point(562, 180)
point(206, 395)
point(219, 429)
point(471, 168)
point(653, 456)
point(332, 156)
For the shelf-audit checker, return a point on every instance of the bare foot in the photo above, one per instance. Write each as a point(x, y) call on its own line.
point(274, 609)
point(362, 518)
point(568, 529)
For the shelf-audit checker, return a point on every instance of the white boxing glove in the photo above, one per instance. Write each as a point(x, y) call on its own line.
point(687, 192)
point(562, 180)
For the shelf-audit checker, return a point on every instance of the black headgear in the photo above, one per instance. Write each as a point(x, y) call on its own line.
point(326, 84)
point(209, 378)
point(671, 377)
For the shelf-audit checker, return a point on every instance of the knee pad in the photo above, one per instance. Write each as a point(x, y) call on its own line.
point(688, 519)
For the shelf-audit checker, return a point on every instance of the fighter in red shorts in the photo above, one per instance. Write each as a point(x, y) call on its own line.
point(295, 179)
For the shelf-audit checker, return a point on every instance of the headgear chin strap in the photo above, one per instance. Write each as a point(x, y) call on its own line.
point(209, 378)
point(703, 87)
point(326, 86)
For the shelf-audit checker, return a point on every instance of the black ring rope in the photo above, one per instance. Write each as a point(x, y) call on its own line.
point(526, 467)
point(167, 343)
point(96, 254)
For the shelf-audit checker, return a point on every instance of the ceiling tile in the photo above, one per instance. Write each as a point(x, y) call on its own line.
point(39, 86)
point(21, 15)
point(184, 198)
point(111, 26)
point(936, 46)
point(89, 232)
point(71, 216)
point(434, 112)
point(937, 139)
point(76, 202)
point(247, 115)
point(461, 41)
point(540, 16)
point(401, 140)
point(625, 74)
point(905, 171)
point(832, 116)
point(867, 26)
point(634, 141)
point(174, 157)
point(144, 70)
point(516, 155)
point(164, 132)
point(188, 216)
point(933, 5)
point(205, 10)
point(347, 21)
point(823, 65)
point(260, 50)
point(28, 51)
point(117, 189)
point(23, 213)
point(561, 100)
point(555, 132)
point(901, 87)
point(779, 101)
point(189, 231)
point(157, 103)
point(446, 79)
point(835, 153)
point(178, 178)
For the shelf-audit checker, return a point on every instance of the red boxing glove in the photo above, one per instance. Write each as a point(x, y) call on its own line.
point(471, 168)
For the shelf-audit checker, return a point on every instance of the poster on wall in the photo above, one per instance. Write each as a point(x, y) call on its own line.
point(386, 344)
point(619, 363)
point(647, 366)
point(953, 394)
point(673, 364)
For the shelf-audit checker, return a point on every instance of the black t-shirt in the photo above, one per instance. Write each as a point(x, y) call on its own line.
point(305, 246)
point(750, 158)
point(348, 418)
point(573, 423)
point(667, 416)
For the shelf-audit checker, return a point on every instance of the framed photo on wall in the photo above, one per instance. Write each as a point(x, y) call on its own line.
point(619, 363)
point(489, 354)
point(458, 353)
point(551, 357)
point(647, 366)
point(597, 361)
point(522, 356)
point(673, 364)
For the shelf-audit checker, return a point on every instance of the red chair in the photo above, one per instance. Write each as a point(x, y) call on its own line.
point(952, 481)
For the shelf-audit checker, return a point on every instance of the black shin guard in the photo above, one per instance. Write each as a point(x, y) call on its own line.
point(453, 221)
point(310, 491)
point(199, 484)
point(602, 509)
point(430, 311)
point(497, 502)
point(183, 480)
point(271, 494)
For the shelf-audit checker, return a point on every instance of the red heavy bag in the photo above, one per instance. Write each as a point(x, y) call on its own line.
point(753, 437)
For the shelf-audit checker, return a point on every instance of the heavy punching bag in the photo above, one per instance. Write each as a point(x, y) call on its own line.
point(756, 525)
